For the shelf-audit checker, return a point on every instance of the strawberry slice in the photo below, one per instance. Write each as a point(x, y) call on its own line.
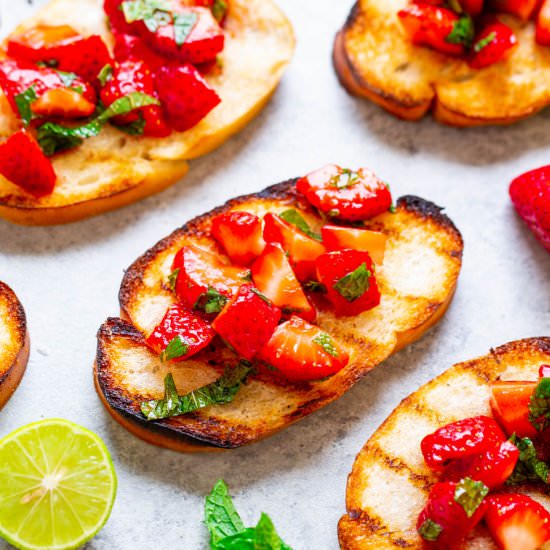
point(345, 194)
point(23, 163)
point(492, 467)
point(517, 522)
point(303, 352)
point(530, 194)
point(510, 407)
point(451, 513)
point(460, 439)
point(201, 271)
point(30, 44)
point(492, 44)
point(247, 321)
point(348, 276)
point(186, 96)
point(302, 249)
point(543, 24)
point(524, 9)
point(180, 335)
point(240, 234)
point(62, 103)
point(336, 237)
point(273, 276)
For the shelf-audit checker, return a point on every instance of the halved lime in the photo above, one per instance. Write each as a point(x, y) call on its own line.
point(57, 486)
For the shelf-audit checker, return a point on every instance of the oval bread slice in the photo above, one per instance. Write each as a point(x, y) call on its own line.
point(389, 483)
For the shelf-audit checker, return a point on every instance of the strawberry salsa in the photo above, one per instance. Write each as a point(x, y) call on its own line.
point(481, 461)
point(471, 29)
point(260, 293)
point(64, 87)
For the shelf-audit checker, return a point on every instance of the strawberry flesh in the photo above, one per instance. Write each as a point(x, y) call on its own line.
point(524, 9)
point(543, 24)
point(492, 44)
point(132, 48)
point(336, 237)
point(62, 103)
point(31, 44)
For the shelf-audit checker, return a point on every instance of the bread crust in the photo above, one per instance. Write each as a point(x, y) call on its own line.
point(375, 60)
point(392, 458)
point(127, 372)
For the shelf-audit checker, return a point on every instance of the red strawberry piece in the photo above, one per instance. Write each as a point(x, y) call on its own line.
point(492, 467)
point(200, 271)
point(336, 237)
point(273, 276)
point(31, 44)
point(530, 194)
point(186, 97)
point(348, 276)
point(129, 47)
point(179, 323)
point(544, 371)
point(451, 513)
point(517, 522)
point(510, 407)
point(303, 352)
point(117, 21)
point(428, 25)
point(247, 321)
point(492, 44)
point(524, 9)
point(240, 234)
point(302, 249)
point(473, 7)
point(460, 439)
point(344, 194)
point(135, 76)
point(543, 24)
point(62, 103)
point(23, 163)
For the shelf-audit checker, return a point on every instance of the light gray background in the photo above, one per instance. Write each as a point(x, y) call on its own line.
point(68, 279)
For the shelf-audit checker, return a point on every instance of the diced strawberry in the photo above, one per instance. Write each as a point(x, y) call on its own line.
point(240, 234)
point(195, 333)
point(218, 7)
point(200, 271)
point(273, 275)
point(510, 407)
point(23, 163)
point(530, 194)
point(492, 467)
point(524, 9)
point(247, 321)
point(117, 21)
point(492, 44)
point(135, 76)
point(473, 7)
point(30, 45)
point(543, 24)
point(344, 194)
point(129, 47)
point(517, 522)
point(336, 237)
point(302, 249)
point(301, 351)
point(62, 103)
point(544, 371)
point(348, 276)
point(446, 520)
point(186, 96)
point(460, 439)
point(431, 26)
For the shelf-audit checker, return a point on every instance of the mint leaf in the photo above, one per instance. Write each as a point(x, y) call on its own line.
point(463, 32)
point(177, 347)
point(528, 467)
point(183, 25)
point(211, 301)
point(345, 179)
point(135, 128)
point(469, 494)
point(295, 218)
point(140, 10)
point(220, 516)
point(219, 9)
point(261, 537)
point(430, 530)
point(260, 295)
point(353, 285)
point(105, 74)
point(315, 286)
point(539, 406)
point(484, 42)
point(325, 341)
point(173, 279)
point(67, 78)
point(23, 102)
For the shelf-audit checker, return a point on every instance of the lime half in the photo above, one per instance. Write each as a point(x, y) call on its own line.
point(57, 486)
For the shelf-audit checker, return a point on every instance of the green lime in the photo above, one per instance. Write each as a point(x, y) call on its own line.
point(57, 486)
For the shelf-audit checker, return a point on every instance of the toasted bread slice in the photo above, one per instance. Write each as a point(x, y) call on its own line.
point(374, 59)
point(417, 281)
point(14, 343)
point(114, 169)
point(389, 483)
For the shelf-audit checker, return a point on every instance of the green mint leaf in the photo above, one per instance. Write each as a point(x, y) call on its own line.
point(67, 78)
point(135, 128)
point(260, 295)
point(157, 19)
point(484, 42)
point(261, 537)
point(173, 279)
point(211, 301)
point(219, 9)
point(315, 286)
point(325, 341)
point(127, 104)
point(220, 516)
point(353, 285)
point(528, 467)
point(295, 218)
point(430, 530)
point(105, 74)
point(539, 406)
point(183, 25)
point(469, 494)
point(177, 347)
point(23, 102)
point(247, 276)
point(463, 32)
point(50, 63)
point(345, 179)
point(140, 10)
point(78, 89)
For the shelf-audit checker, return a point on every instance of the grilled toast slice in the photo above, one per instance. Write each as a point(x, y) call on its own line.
point(374, 59)
point(389, 482)
point(115, 169)
point(417, 282)
point(14, 343)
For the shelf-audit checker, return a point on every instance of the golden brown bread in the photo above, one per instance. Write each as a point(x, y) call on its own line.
point(417, 281)
point(14, 343)
point(114, 169)
point(389, 482)
point(374, 59)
